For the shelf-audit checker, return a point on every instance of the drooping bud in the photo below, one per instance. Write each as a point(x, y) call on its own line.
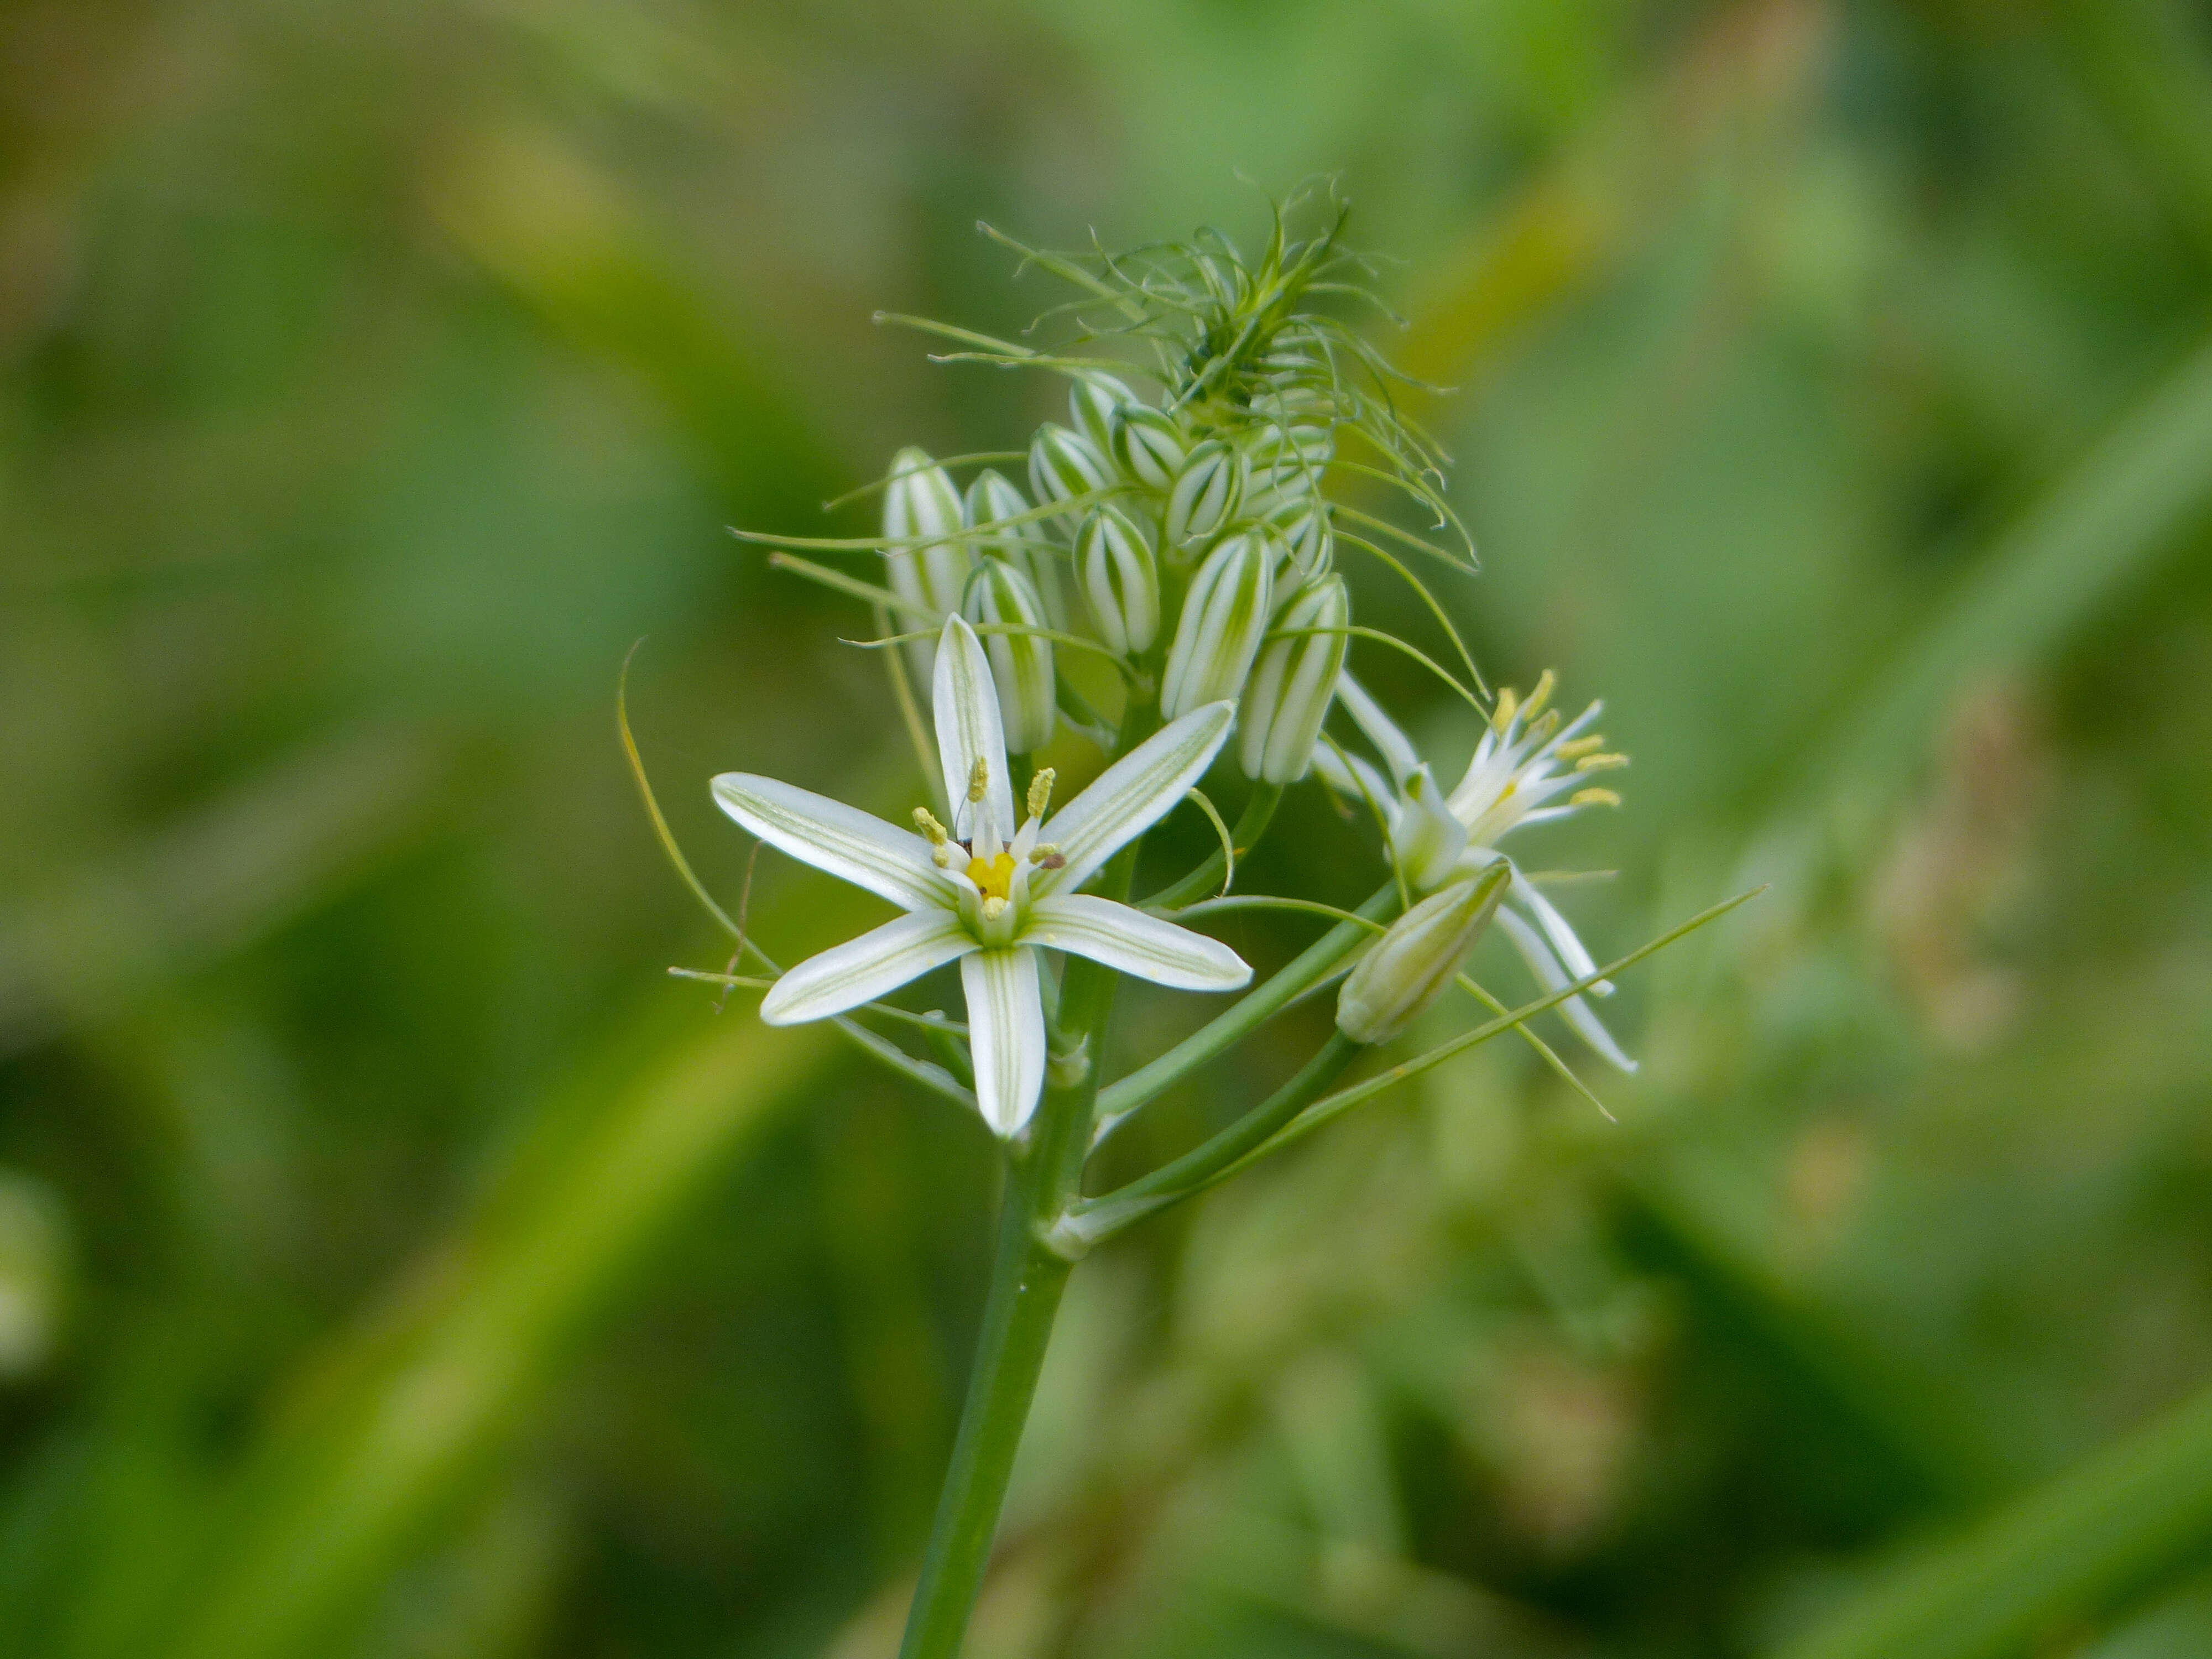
point(1064, 465)
point(1115, 566)
point(1293, 683)
point(1224, 616)
point(918, 502)
point(1204, 496)
point(1147, 445)
point(1094, 400)
point(1305, 528)
point(992, 499)
point(1021, 664)
point(1410, 965)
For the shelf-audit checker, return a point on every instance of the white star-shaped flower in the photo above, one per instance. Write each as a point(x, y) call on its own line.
point(1526, 759)
point(987, 893)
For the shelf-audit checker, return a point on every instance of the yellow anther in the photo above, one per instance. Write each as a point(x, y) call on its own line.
point(1601, 762)
point(1049, 854)
point(994, 877)
point(1580, 747)
point(1539, 726)
point(926, 821)
point(1546, 683)
point(1593, 797)
point(1041, 791)
point(979, 779)
point(1507, 703)
point(993, 907)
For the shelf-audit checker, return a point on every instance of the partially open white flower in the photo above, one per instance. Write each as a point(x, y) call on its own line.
point(985, 893)
point(1526, 759)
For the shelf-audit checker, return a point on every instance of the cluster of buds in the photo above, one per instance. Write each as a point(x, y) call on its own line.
point(1188, 533)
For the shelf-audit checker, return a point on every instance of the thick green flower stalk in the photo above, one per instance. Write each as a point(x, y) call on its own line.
point(1188, 537)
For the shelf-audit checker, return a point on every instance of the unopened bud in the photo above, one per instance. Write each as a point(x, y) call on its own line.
point(1410, 965)
point(1205, 494)
point(1021, 664)
point(1064, 465)
point(1147, 445)
point(992, 499)
point(1115, 566)
point(1293, 683)
point(1094, 400)
point(1305, 528)
point(1285, 467)
point(1224, 616)
point(920, 501)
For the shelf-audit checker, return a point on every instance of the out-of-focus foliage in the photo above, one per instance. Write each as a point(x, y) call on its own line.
point(393, 1262)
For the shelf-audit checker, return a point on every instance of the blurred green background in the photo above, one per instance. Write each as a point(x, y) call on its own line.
point(393, 1262)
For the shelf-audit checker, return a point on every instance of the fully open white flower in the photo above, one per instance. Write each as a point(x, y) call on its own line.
point(1526, 759)
point(987, 893)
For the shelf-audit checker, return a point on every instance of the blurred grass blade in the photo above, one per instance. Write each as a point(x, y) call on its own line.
point(2118, 1526)
point(404, 1407)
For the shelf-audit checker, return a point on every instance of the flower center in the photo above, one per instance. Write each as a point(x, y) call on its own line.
point(993, 877)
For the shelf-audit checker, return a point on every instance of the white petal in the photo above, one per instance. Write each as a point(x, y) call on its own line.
point(843, 840)
point(969, 729)
point(861, 970)
point(1545, 967)
point(1127, 939)
point(1556, 929)
point(1005, 1033)
point(1132, 795)
point(1393, 744)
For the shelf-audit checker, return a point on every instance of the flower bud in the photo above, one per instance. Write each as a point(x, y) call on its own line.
point(1094, 400)
point(1204, 494)
point(1292, 684)
point(1021, 664)
point(1303, 527)
point(1224, 616)
point(991, 498)
point(1147, 445)
point(921, 501)
point(1285, 467)
point(1410, 965)
point(1115, 566)
point(1064, 464)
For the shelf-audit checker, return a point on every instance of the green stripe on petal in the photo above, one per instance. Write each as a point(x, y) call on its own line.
point(1130, 796)
point(1130, 942)
point(861, 970)
point(852, 845)
point(969, 729)
point(1006, 1035)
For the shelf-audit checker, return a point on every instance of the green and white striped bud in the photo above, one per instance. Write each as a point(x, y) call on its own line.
point(1224, 616)
point(1021, 664)
point(1285, 467)
point(1204, 495)
point(1410, 965)
point(1305, 528)
point(1148, 447)
point(991, 499)
point(921, 501)
point(1114, 564)
point(1093, 401)
point(1293, 683)
point(1064, 465)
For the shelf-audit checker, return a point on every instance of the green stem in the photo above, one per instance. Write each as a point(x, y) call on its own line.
point(1251, 826)
point(1304, 971)
point(1094, 1222)
point(1027, 1278)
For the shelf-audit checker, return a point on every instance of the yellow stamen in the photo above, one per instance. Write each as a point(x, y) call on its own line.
point(993, 907)
point(1041, 791)
point(1507, 703)
point(941, 839)
point(979, 779)
point(1579, 747)
point(1545, 683)
point(1593, 797)
point(1601, 762)
point(994, 876)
